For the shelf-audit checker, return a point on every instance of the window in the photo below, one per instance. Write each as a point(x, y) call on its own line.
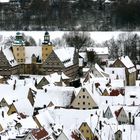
point(17, 54)
point(78, 103)
point(88, 103)
point(113, 72)
point(83, 103)
point(79, 96)
point(83, 96)
point(83, 89)
point(87, 97)
point(84, 124)
point(17, 49)
point(87, 131)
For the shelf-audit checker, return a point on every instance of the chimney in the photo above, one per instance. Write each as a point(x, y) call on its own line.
point(14, 86)
point(45, 90)
point(100, 125)
point(129, 117)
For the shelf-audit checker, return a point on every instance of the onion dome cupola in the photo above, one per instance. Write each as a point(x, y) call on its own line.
point(19, 39)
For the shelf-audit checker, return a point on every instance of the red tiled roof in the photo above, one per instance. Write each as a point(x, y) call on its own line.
point(97, 85)
point(114, 92)
point(39, 133)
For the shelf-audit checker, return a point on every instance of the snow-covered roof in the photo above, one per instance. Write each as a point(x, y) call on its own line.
point(138, 67)
point(73, 120)
point(32, 50)
point(66, 55)
point(45, 119)
point(103, 73)
point(131, 70)
point(9, 55)
point(126, 61)
point(28, 123)
point(83, 55)
point(117, 83)
point(21, 108)
point(59, 96)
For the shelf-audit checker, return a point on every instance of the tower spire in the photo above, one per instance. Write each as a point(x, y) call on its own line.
point(46, 38)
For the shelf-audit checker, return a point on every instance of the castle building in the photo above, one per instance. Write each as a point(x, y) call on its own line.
point(43, 60)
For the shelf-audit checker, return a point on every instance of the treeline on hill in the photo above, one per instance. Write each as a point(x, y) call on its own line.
point(70, 15)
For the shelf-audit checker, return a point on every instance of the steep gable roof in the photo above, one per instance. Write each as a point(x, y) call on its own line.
point(32, 50)
point(42, 83)
point(66, 55)
point(9, 56)
point(118, 112)
point(126, 61)
point(86, 98)
point(4, 60)
point(53, 61)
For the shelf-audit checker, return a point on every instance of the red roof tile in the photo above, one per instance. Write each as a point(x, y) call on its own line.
point(39, 133)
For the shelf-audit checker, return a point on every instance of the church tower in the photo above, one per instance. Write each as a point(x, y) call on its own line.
point(47, 47)
point(18, 47)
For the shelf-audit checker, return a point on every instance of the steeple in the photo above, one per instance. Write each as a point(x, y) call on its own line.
point(18, 47)
point(46, 38)
point(47, 47)
point(19, 39)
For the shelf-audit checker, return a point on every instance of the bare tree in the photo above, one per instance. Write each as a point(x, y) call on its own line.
point(78, 40)
point(113, 48)
point(129, 43)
